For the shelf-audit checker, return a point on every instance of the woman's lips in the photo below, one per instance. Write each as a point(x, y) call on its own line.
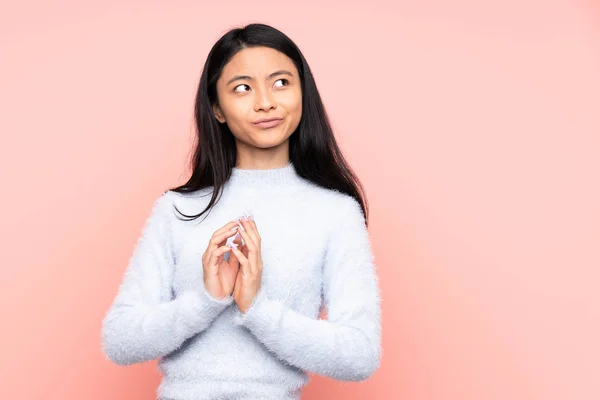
point(268, 123)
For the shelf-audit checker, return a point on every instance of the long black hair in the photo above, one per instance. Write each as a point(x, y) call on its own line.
point(314, 152)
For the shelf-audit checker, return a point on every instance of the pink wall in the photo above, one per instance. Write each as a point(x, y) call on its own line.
point(475, 128)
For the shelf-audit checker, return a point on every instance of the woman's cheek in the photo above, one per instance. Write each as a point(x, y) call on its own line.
point(292, 102)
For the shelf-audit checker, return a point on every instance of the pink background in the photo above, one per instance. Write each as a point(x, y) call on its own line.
point(474, 125)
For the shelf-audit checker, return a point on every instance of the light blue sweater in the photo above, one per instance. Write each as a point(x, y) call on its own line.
point(315, 250)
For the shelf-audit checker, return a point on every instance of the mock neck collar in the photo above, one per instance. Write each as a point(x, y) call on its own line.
point(274, 178)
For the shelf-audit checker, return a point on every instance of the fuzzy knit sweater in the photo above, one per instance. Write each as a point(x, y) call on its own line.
point(316, 253)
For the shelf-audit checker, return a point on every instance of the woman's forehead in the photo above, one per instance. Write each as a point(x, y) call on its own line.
point(258, 63)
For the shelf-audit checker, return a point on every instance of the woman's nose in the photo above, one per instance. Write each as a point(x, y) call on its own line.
point(264, 100)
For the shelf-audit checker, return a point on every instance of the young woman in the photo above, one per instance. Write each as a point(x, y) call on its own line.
point(226, 283)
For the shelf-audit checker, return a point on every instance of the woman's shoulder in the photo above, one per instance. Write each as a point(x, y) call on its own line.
point(187, 202)
point(335, 203)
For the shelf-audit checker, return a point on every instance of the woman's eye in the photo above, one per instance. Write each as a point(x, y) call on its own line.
point(284, 82)
point(244, 86)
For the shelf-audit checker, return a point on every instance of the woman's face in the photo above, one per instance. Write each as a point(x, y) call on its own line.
point(259, 84)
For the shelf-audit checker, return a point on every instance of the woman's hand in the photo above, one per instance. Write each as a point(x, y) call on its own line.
point(220, 275)
point(248, 280)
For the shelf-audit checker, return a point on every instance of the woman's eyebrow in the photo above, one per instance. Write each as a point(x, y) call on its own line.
point(280, 72)
point(249, 78)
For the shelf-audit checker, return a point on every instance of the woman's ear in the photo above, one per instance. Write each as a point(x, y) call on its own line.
point(218, 113)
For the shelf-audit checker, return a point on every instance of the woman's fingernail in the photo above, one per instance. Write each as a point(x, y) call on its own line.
point(248, 216)
point(241, 227)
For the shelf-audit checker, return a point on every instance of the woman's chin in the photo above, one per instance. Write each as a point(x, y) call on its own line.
point(268, 142)
point(265, 145)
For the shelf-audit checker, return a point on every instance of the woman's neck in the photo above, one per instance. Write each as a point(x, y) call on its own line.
point(254, 158)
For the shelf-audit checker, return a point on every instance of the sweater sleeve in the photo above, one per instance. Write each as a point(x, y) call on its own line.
point(346, 346)
point(145, 322)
